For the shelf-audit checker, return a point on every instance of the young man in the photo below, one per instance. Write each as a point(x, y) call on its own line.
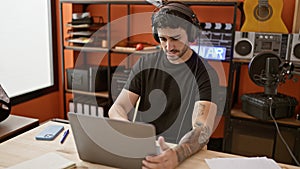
point(175, 87)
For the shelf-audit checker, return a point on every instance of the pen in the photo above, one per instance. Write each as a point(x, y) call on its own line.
point(136, 109)
point(64, 136)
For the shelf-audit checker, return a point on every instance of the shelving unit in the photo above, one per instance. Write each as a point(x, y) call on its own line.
point(85, 50)
point(234, 4)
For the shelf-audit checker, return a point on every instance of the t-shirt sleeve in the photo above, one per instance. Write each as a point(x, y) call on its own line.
point(208, 82)
point(133, 83)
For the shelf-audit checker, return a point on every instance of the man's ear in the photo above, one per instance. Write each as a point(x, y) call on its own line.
point(155, 35)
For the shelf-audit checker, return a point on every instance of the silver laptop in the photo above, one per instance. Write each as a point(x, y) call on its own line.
point(111, 142)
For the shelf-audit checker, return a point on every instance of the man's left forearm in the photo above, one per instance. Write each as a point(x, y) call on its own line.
point(192, 142)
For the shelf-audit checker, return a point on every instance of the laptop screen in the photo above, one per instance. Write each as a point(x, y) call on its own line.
point(111, 142)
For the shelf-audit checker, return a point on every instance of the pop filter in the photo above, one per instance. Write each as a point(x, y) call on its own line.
point(264, 71)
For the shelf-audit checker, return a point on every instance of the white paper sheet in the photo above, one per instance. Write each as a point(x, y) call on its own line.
point(242, 163)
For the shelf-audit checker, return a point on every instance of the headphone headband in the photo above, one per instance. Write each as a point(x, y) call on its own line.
point(179, 7)
point(187, 14)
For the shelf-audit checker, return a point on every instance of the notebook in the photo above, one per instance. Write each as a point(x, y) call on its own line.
point(47, 161)
point(111, 142)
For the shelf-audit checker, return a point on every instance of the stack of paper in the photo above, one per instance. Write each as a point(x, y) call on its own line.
point(242, 163)
point(47, 161)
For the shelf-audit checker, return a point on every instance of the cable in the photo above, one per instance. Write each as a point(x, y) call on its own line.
point(279, 133)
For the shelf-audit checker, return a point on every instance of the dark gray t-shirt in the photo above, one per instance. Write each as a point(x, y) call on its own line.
point(169, 91)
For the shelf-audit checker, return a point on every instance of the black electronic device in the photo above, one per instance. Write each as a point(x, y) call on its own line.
point(272, 42)
point(250, 44)
point(267, 70)
point(243, 45)
point(5, 104)
point(295, 48)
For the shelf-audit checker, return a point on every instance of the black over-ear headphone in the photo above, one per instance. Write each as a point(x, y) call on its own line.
point(185, 10)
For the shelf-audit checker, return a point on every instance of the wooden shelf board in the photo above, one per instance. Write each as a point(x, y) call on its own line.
point(84, 48)
point(145, 2)
point(98, 94)
point(237, 112)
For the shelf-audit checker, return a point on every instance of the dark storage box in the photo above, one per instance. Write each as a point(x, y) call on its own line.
point(118, 82)
point(98, 78)
point(77, 79)
point(258, 105)
point(92, 78)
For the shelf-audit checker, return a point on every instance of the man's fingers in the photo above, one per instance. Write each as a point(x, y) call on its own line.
point(163, 145)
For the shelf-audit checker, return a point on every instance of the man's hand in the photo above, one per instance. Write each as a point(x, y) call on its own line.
point(166, 160)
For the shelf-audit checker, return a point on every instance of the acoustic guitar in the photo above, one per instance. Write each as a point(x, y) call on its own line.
point(263, 16)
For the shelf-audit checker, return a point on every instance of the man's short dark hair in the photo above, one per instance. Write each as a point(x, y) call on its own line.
point(170, 17)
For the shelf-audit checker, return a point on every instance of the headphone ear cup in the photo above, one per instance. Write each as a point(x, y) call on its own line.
point(193, 33)
point(155, 35)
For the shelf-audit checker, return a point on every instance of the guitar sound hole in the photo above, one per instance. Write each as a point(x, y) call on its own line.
point(263, 13)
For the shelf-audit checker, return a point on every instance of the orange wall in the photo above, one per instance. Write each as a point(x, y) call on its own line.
point(51, 105)
point(42, 108)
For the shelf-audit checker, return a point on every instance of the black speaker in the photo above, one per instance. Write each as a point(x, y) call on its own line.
point(243, 45)
point(295, 48)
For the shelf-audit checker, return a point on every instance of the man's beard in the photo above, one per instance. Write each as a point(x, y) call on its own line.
point(175, 55)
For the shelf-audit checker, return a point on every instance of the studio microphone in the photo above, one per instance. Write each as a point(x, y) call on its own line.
point(271, 75)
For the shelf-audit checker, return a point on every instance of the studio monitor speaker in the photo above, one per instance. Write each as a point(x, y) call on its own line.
point(295, 48)
point(243, 45)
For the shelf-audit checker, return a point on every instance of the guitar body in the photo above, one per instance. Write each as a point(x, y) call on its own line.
point(264, 17)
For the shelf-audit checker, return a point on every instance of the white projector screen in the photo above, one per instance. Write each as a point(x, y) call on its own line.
point(26, 48)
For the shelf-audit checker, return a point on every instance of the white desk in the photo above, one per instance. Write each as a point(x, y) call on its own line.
point(25, 147)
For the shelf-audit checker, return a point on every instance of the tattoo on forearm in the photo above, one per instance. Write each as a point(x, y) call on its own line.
point(201, 109)
point(198, 114)
point(192, 142)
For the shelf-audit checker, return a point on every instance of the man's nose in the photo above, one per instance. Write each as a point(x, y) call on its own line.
point(169, 45)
